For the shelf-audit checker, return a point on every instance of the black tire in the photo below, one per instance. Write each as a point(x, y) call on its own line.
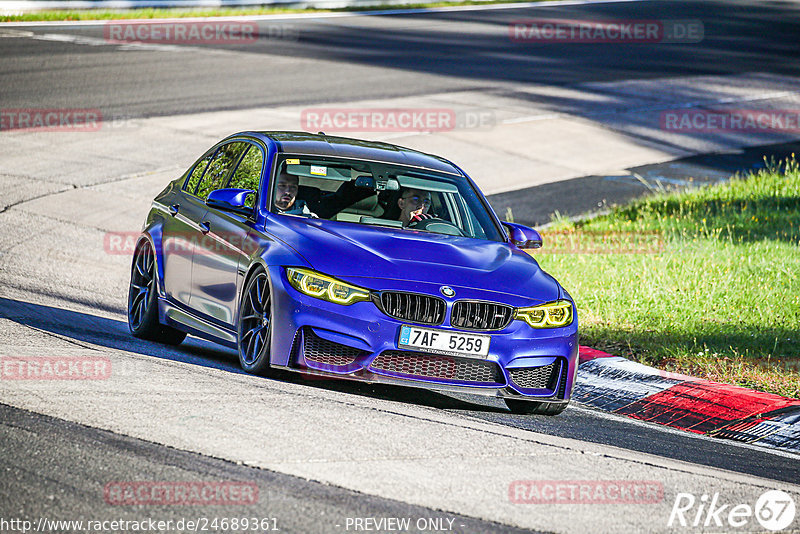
point(254, 330)
point(142, 308)
point(535, 408)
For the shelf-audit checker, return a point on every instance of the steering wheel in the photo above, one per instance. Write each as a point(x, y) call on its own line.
point(437, 226)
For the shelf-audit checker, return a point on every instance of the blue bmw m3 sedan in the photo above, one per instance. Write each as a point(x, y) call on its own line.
point(354, 259)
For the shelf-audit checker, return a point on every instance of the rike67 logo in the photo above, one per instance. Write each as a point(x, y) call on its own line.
point(774, 510)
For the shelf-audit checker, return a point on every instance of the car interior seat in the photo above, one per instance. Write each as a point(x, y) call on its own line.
point(369, 207)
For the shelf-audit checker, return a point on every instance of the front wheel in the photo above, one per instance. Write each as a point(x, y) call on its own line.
point(535, 408)
point(142, 307)
point(255, 324)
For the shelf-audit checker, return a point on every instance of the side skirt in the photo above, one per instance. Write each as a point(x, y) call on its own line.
point(187, 322)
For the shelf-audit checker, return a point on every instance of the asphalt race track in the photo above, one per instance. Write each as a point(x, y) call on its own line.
point(321, 60)
point(323, 454)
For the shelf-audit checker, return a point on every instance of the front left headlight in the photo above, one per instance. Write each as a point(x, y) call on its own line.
point(325, 287)
point(551, 315)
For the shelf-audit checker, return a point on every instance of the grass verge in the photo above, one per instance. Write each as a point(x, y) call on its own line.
point(170, 13)
point(704, 282)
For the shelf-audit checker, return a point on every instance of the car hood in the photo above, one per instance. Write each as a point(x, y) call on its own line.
point(351, 251)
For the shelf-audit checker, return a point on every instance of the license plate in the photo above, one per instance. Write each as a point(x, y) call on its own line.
point(444, 342)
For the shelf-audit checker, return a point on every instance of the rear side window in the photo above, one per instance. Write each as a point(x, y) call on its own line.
point(221, 165)
point(197, 173)
point(248, 173)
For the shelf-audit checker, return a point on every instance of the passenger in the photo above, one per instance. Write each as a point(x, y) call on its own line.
point(414, 205)
point(285, 199)
point(315, 203)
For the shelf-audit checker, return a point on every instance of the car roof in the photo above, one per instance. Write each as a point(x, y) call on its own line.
point(345, 147)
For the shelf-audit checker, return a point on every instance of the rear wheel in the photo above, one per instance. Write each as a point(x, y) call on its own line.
point(255, 324)
point(535, 408)
point(142, 308)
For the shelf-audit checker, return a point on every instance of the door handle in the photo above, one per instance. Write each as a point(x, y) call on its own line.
point(205, 227)
point(173, 209)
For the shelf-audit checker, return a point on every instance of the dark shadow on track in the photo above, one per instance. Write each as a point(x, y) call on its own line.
point(534, 206)
point(573, 423)
point(735, 40)
point(72, 465)
point(464, 50)
point(87, 328)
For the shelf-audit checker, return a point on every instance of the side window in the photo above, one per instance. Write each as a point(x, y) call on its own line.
point(219, 168)
point(197, 173)
point(248, 173)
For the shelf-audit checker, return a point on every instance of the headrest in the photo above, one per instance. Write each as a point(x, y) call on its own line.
point(366, 204)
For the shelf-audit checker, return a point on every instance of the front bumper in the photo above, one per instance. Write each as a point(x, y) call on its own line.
point(359, 342)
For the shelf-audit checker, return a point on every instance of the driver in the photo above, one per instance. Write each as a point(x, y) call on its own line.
point(414, 205)
point(285, 199)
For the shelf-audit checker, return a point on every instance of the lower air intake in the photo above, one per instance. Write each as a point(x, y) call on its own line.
point(434, 366)
point(316, 349)
point(543, 377)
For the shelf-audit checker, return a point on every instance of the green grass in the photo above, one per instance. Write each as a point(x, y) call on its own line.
point(716, 296)
point(156, 13)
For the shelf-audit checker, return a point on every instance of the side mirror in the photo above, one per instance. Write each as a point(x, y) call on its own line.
point(523, 236)
point(231, 200)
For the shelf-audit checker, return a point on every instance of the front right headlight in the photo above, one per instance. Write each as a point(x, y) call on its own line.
point(551, 315)
point(322, 286)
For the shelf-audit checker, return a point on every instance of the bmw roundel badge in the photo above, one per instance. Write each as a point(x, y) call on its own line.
point(447, 291)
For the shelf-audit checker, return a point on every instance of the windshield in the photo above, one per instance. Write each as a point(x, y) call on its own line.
point(381, 195)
